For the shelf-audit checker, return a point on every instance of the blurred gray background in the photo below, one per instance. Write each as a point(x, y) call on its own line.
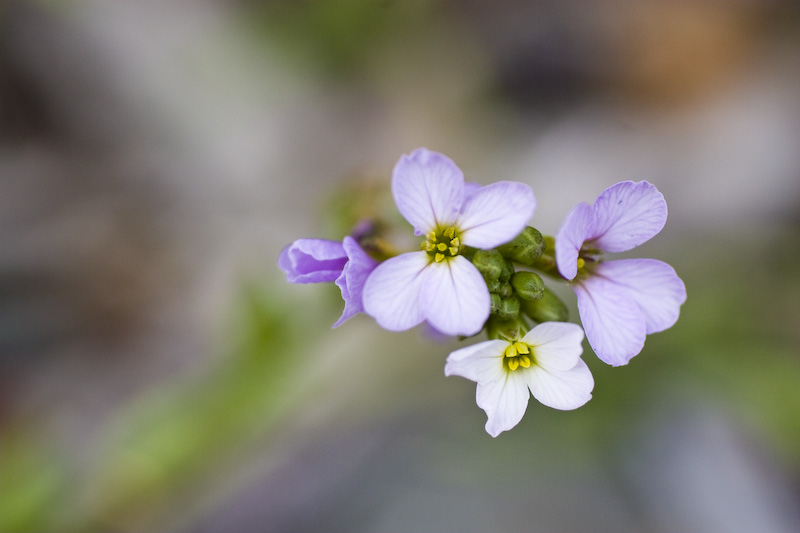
point(157, 373)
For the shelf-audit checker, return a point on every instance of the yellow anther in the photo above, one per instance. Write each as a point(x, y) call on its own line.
point(429, 246)
point(521, 347)
point(511, 351)
point(524, 361)
point(441, 247)
point(438, 257)
point(455, 242)
point(513, 364)
point(581, 263)
point(449, 232)
point(453, 250)
point(431, 236)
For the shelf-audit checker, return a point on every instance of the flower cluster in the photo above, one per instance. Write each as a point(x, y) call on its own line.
point(479, 267)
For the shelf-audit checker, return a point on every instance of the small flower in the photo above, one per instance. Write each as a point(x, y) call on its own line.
point(438, 284)
point(620, 302)
point(320, 260)
point(546, 361)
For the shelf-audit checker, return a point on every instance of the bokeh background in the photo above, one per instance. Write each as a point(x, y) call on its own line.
point(157, 373)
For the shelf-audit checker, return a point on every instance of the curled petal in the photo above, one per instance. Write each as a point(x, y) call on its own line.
point(557, 346)
point(454, 297)
point(428, 189)
point(563, 389)
point(481, 363)
point(312, 260)
point(354, 276)
point(653, 285)
point(613, 322)
point(575, 229)
point(504, 399)
point(626, 215)
point(391, 292)
point(495, 214)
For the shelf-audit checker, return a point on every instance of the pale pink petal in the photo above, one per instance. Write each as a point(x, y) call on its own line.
point(556, 345)
point(495, 214)
point(454, 297)
point(653, 285)
point(482, 362)
point(354, 276)
point(392, 291)
point(575, 229)
point(564, 389)
point(504, 399)
point(428, 189)
point(626, 215)
point(613, 323)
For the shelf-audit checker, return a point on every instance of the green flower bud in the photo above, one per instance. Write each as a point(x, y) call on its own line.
point(496, 302)
point(525, 248)
point(505, 290)
point(503, 329)
point(546, 309)
point(509, 309)
point(507, 272)
point(529, 285)
point(490, 264)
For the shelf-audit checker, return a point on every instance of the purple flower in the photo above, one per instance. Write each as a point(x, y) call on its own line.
point(437, 284)
point(320, 260)
point(620, 302)
point(546, 362)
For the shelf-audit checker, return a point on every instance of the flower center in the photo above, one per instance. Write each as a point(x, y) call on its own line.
point(588, 258)
point(518, 354)
point(442, 243)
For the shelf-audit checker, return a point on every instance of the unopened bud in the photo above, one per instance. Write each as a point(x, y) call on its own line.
point(546, 309)
point(502, 329)
point(490, 264)
point(509, 309)
point(529, 285)
point(525, 248)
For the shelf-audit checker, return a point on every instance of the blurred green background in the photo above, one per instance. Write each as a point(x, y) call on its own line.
point(157, 373)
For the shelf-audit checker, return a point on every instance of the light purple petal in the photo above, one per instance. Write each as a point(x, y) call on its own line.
point(495, 214)
point(351, 281)
point(428, 189)
point(454, 297)
point(570, 237)
point(653, 285)
point(504, 399)
point(482, 362)
point(613, 322)
point(556, 345)
point(626, 215)
point(470, 188)
point(565, 389)
point(392, 291)
point(312, 260)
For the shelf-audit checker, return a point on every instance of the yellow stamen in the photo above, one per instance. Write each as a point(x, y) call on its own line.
point(431, 236)
point(453, 250)
point(524, 361)
point(441, 247)
point(455, 242)
point(581, 263)
point(429, 246)
point(521, 347)
point(511, 351)
point(438, 257)
point(450, 232)
point(513, 364)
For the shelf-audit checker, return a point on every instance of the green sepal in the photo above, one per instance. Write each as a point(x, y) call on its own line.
point(525, 248)
point(549, 308)
point(529, 285)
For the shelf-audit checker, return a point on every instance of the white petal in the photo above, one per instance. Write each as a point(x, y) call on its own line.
point(454, 296)
point(653, 285)
point(614, 325)
point(495, 214)
point(628, 214)
point(504, 400)
point(428, 189)
point(565, 390)
point(482, 362)
point(556, 345)
point(392, 291)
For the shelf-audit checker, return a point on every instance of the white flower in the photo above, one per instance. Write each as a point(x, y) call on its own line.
point(547, 361)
